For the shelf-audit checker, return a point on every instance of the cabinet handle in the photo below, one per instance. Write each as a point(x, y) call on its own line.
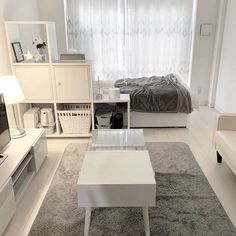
point(59, 83)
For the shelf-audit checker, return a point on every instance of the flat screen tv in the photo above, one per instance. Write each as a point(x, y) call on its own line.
point(5, 137)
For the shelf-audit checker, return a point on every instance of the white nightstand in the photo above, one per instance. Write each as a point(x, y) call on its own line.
point(124, 98)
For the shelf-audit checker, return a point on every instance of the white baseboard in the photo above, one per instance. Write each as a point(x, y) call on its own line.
point(218, 109)
point(203, 103)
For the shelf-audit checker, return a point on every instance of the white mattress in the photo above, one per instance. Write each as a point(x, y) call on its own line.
point(194, 97)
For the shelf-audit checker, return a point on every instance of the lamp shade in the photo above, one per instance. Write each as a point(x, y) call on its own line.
point(11, 90)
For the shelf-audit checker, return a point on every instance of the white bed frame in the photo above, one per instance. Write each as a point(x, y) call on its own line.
point(149, 120)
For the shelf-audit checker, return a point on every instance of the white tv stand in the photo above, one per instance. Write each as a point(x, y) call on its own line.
point(24, 158)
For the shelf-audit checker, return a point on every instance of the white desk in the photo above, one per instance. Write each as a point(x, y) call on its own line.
point(116, 179)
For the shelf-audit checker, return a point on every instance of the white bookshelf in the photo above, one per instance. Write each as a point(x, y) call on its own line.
point(48, 83)
point(52, 82)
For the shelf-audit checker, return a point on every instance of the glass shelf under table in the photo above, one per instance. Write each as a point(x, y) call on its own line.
point(122, 139)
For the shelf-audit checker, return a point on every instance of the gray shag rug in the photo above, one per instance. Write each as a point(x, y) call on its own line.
point(185, 202)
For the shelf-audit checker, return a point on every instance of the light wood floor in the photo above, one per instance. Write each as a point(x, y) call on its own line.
point(198, 137)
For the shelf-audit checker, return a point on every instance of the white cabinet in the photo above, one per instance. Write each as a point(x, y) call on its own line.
point(72, 83)
point(52, 86)
point(35, 81)
point(40, 150)
point(7, 204)
point(18, 170)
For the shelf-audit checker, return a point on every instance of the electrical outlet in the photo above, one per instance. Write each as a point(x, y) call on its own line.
point(206, 30)
point(199, 90)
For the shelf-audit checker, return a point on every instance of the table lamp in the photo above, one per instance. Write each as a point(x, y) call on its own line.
point(13, 95)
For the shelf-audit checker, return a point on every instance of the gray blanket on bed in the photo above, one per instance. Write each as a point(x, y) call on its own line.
point(156, 94)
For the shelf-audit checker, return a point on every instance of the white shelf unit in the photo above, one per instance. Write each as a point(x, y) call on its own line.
point(26, 32)
point(48, 83)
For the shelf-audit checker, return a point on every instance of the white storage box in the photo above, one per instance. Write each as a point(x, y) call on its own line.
point(104, 126)
point(103, 117)
point(49, 128)
point(31, 118)
point(75, 119)
point(114, 93)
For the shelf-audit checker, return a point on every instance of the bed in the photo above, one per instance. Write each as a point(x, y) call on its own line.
point(159, 101)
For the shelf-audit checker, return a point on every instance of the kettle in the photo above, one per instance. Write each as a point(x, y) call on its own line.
point(46, 116)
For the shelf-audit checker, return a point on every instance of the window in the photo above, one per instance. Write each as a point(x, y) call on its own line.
point(132, 38)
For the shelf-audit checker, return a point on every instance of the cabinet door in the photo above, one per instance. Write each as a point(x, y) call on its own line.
point(72, 82)
point(35, 82)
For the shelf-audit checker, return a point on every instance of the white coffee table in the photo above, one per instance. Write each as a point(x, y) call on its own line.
point(116, 179)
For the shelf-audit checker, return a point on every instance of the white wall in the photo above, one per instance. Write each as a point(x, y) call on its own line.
point(4, 60)
point(21, 10)
point(226, 88)
point(13, 10)
point(55, 12)
point(207, 11)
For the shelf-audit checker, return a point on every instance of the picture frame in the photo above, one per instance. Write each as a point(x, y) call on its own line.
point(17, 49)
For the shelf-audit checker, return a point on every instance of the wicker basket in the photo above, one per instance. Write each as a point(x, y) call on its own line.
point(75, 119)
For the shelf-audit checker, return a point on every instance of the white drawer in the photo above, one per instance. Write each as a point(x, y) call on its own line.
point(40, 152)
point(7, 205)
point(5, 191)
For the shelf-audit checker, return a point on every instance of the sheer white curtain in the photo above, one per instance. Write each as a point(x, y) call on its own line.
point(132, 38)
